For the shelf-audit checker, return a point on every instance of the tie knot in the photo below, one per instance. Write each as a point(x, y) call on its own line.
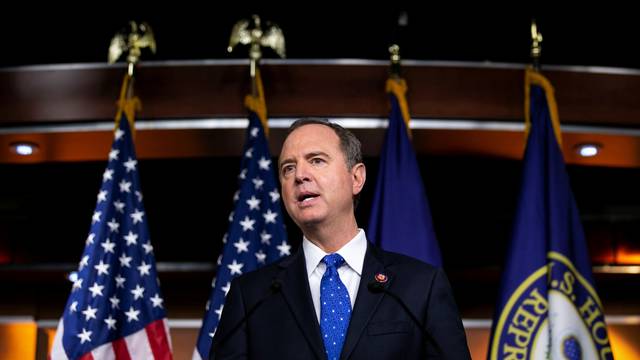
point(333, 260)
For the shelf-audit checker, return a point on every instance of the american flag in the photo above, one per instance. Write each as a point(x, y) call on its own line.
point(256, 234)
point(115, 309)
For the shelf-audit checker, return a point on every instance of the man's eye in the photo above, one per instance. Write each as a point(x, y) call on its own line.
point(317, 161)
point(287, 169)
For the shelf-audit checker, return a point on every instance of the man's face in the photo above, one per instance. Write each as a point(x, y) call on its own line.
point(317, 187)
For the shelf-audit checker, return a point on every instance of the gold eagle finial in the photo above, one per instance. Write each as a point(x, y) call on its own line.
point(250, 32)
point(133, 40)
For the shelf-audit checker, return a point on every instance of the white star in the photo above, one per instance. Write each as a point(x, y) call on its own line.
point(113, 225)
point(275, 195)
point(219, 311)
point(138, 292)
point(125, 260)
point(257, 183)
point(284, 248)
point(119, 205)
point(102, 196)
point(118, 134)
point(139, 195)
point(132, 314)
point(264, 163)
point(249, 153)
point(247, 224)
point(113, 154)
point(125, 186)
point(74, 307)
point(96, 289)
point(137, 216)
point(270, 216)
point(102, 268)
point(114, 302)
point(241, 245)
point(84, 336)
point(77, 284)
point(254, 131)
point(107, 175)
point(231, 216)
point(111, 323)
point(147, 247)
point(120, 281)
point(235, 267)
point(253, 203)
point(224, 238)
point(144, 269)
point(96, 217)
point(226, 288)
point(157, 301)
point(265, 237)
point(108, 246)
point(262, 257)
point(243, 174)
point(84, 262)
point(236, 195)
point(130, 165)
point(90, 239)
point(131, 238)
point(89, 313)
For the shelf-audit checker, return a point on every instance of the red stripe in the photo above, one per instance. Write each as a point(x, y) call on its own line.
point(120, 349)
point(86, 356)
point(158, 340)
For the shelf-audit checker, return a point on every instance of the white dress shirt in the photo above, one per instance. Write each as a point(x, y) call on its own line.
point(350, 273)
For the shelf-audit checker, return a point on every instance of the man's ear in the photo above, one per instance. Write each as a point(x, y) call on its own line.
point(359, 176)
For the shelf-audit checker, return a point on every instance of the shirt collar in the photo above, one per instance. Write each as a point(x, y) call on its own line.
point(352, 252)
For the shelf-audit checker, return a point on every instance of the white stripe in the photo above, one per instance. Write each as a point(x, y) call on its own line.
point(104, 352)
point(138, 345)
point(167, 334)
point(196, 355)
point(57, 350)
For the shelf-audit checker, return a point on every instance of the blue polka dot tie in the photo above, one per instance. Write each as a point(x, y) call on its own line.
point(335, 308)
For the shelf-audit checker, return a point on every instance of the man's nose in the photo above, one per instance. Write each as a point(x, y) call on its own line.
point(302, 173)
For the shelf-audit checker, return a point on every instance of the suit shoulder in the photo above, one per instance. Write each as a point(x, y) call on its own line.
point(263, 275)
point(404, 262)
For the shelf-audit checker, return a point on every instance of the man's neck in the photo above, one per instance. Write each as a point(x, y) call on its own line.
point(332, 238)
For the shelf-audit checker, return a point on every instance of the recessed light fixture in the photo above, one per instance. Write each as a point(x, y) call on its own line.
point(588, 149)
point(24, 148)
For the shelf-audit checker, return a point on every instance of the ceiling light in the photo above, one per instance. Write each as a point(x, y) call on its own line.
point(588, 150)
point(24, 148)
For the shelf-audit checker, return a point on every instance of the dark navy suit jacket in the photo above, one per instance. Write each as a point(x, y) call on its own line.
point(284, 325)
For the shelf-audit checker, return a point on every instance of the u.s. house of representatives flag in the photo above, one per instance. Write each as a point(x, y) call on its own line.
point(116, 310)
point(256, 234)
point(548, 307)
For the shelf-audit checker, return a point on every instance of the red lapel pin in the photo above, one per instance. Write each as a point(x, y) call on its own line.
point(381, 278)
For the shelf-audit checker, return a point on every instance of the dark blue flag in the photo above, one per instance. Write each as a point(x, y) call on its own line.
point(548, 307)
point(116, 309)
point(400, 218)
point(256, 234)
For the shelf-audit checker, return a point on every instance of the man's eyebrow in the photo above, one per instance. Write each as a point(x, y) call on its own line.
point(316, 153)
point(285, 161)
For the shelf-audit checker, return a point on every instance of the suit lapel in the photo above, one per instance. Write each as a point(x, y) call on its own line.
point(366, 301)
point(298, 296)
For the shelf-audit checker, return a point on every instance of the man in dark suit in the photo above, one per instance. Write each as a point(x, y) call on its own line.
point(333, 299)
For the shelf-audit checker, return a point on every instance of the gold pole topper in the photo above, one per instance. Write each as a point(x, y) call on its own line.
point(394, 53)
point(250, 32)
point(536, 45)
point(132, 40)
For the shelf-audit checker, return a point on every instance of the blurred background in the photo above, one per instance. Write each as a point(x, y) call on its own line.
point(464, 68)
